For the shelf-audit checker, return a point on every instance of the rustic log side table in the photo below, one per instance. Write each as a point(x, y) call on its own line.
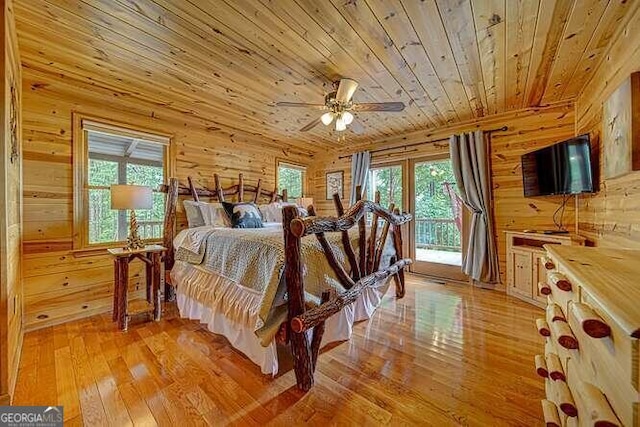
point(123, 310)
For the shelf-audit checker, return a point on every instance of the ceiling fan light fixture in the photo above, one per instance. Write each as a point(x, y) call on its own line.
point(340, 124)
point(347, 118)
point(327, 118)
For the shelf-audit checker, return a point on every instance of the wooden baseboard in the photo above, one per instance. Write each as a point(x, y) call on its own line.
point(491, 286)
point(12, 386)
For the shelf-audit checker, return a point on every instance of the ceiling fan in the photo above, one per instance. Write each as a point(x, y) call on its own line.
point(340, 106)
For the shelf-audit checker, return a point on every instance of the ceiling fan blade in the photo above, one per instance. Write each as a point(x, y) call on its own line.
point(311, 125)
point(379, 106)
point(346, 88)
point(356, 127)
point(301, 104)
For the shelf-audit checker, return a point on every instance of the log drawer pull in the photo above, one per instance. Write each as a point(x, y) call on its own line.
point(543, 327)
point(541, 366)
point(564, 335)
point(591, 323)
point(555, 314)
point(560, 281)
point(554, 367)
point(544, 289)
point(548, 264)
point(550, 411)
point(565, 400)
point(600, 412)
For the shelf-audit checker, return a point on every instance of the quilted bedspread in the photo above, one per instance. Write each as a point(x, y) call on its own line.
point(254, 258)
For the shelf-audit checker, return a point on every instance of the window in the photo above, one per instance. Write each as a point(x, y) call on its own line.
point(292, 178)
point(107, 155)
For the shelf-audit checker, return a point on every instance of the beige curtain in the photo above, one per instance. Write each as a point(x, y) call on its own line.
point(470, 160)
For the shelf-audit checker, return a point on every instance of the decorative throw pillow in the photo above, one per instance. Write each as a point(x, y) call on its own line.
point(243, 215)
point(194, 215)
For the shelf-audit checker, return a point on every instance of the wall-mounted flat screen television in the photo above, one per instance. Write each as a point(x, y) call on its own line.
point(563, 168)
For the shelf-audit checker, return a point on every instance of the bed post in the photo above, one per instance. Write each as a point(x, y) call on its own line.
point(219, 191)
point(168, 234)
point(258, 190)
point(397, 244)
point(300, 348)
point(193, 190)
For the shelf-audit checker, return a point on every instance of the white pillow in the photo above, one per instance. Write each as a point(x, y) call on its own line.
point(273, 211)
point(213, 214)
point(194, 216)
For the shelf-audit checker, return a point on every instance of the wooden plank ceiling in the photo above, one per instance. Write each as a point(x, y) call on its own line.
point(227, 62)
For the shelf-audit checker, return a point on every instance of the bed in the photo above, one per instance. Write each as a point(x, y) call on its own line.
point(304, 281)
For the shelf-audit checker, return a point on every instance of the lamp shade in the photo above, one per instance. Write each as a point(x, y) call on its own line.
point(131, 197)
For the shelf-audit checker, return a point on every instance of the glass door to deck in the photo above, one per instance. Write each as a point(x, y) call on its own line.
point(437, 226)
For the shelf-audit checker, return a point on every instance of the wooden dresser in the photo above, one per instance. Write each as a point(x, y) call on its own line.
point(591, 360)
point(525, 266)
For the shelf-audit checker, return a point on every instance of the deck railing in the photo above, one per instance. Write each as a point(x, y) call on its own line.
point(150, 229)
point(438, 234)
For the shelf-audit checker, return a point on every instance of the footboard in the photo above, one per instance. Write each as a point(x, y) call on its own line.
point(364, 271)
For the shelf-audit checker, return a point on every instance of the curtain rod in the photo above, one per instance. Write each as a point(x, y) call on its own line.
point(502, 129)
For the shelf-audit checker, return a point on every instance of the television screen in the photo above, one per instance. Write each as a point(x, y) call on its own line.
point(563, 168)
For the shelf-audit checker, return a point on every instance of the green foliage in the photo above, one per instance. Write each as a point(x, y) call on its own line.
point(431, 199)
point(388, 181)
point(103, 222)
point(292, 179)
point(102, 173)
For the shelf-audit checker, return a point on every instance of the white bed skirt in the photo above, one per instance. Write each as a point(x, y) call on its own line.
point(241, 334)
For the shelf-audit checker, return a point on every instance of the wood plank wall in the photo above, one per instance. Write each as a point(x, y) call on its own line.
point(61, 285)
point(529, 129)
point(611, 217)
point(10, 257)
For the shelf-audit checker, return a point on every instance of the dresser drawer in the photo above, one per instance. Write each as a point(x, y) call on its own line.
point(619, 348)
point(597, 363)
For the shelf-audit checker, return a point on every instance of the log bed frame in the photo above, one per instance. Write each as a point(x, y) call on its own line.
point(364, 270)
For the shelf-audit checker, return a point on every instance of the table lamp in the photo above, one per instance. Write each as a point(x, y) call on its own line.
point(132, 197)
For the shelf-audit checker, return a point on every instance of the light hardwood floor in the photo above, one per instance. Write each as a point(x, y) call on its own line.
point(443, 355)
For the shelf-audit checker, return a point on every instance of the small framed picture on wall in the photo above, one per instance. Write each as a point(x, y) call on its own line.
point(335, 184)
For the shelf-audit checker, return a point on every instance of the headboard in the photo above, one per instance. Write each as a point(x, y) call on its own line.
point(240, 190)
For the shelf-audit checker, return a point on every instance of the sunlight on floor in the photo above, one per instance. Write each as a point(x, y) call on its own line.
point(439, 257)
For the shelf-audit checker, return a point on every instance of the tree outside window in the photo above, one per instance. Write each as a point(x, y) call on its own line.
point(292, 178)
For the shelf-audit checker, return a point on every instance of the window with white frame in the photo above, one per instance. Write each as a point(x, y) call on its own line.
point(117, 155)
point(292, 178)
